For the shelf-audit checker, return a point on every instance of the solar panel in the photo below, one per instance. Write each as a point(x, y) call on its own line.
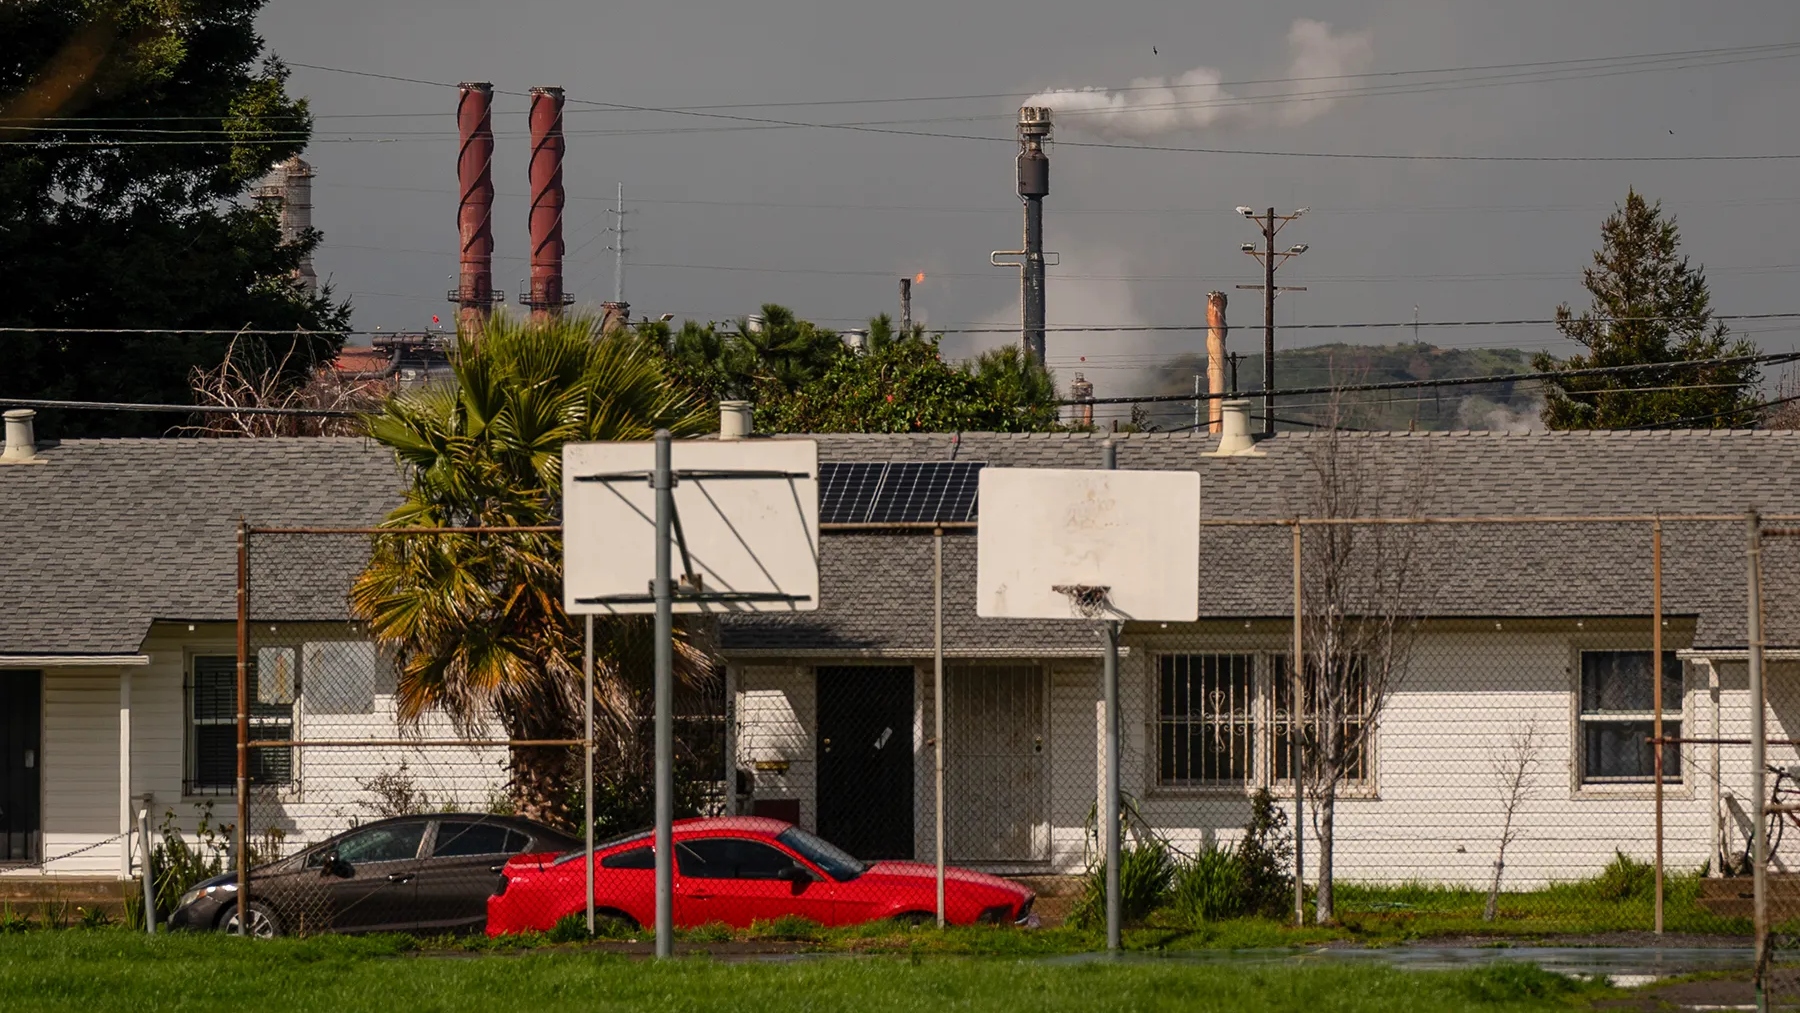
point(898, 492)
point(846, 491)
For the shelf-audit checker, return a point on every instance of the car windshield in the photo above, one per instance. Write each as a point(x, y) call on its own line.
point(836, 862)
point(599, 846)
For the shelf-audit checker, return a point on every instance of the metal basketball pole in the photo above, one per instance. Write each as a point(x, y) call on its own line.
point(937, 701)
point(662, 482)
point(587, 748)
point(1109, 460)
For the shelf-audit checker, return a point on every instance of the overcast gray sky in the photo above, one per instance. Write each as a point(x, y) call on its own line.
point(728, 214)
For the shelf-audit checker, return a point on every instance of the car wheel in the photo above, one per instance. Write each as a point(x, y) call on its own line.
point(264, 922)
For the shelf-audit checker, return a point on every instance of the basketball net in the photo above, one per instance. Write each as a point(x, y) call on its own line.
point(1089, 601)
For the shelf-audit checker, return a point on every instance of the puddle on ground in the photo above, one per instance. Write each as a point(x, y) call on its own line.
point(1627, 966)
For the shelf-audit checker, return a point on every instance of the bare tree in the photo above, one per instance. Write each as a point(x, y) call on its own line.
point(1784, 410)
point(1359, 617)
point(1515, 760)
point(246, 379)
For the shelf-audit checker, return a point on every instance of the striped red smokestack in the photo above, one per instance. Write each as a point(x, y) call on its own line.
point(546, 295)
point(474, 295)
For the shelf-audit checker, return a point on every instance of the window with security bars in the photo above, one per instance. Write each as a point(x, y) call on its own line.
point(1347, 690)
point(1207, 705)
point(1618, 714)
point(212, 723)
point(1224, 721)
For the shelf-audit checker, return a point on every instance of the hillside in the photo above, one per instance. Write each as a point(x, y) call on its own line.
point(1498, 406)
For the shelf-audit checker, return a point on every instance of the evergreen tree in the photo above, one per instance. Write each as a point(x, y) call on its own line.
point(132, 130)
point(1649, 306)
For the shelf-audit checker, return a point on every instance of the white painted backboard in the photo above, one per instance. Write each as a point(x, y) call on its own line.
point(1135, 532)
point(748, 535)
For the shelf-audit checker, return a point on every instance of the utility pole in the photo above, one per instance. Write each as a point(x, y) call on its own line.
point(1269, 224)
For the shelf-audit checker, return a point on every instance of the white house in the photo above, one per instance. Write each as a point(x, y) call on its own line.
point(1542, 627)
point(119, 635)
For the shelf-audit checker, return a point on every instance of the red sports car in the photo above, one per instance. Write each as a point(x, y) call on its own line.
point(742, 869)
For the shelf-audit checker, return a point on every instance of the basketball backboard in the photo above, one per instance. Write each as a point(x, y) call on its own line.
point(1050, 536)
point(755, 536)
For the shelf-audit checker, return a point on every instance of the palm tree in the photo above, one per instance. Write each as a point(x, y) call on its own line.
point(475, 622)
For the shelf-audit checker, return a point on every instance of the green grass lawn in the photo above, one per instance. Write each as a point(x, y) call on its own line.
point(100, 971)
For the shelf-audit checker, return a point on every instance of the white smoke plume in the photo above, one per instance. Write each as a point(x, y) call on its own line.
point(1195, 101)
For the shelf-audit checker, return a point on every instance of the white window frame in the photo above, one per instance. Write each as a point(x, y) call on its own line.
point(1674, 712)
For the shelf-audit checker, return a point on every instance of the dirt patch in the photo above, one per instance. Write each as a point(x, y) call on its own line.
point(1643, 940)
point(1725, 991)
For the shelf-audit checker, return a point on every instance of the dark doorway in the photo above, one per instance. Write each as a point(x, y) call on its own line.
point(20, 715)
point(866, 760)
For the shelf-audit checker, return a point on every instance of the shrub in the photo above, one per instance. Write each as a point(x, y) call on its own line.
point(1210, 888)
point(1146, 872)
point(570, 929)
point(93, 917)
point(177, 865)
point(1624, 878)
point(1266, 858)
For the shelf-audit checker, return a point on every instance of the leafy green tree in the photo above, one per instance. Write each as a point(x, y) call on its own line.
point(131, 130)
point(1648, 306)
point(476, 623)
point(905, 386)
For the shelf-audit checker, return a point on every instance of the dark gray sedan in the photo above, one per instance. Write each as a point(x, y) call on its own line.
point(405, 874)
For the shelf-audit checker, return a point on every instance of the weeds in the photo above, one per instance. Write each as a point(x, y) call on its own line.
point(1146, 873)
point(12, 922)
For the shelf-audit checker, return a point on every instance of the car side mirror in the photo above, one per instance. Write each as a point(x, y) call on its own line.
point(796, 874)
point(334, 865)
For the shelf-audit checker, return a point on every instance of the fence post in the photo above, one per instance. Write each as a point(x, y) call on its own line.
point(1109, 683)
point(241, 833)
point(664, 691)
point(1759, 873)
point(1656, 704)
point(587, 752)
point(143, 822)
point(1296, 674)
point(937, 702)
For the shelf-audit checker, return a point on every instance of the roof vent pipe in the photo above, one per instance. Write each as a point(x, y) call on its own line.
point(734, 420)
point(21, 438)
point(1234, 432)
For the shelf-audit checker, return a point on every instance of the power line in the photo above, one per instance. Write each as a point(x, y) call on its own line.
point(894, 131)
point(130, 406)
point(1457, 381)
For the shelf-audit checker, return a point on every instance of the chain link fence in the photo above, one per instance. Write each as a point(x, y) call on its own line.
point(1472, 726)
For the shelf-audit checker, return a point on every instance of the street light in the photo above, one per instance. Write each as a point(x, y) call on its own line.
point(1246, 212)
point(1248, 247)
point(1297, 249)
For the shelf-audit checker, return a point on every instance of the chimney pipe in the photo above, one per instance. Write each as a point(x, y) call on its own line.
point(474, 295)
point(1215, 358)
point(1234, 431)
point(546, 297)
point(735, 422)
point(21, 438)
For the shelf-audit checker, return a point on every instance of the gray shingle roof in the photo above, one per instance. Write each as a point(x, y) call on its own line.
point(112, 534)
point(876, 590)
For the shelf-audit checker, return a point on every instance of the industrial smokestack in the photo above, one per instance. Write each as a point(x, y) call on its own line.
point(1034, 186)
point(546, 296)
point(474, 296)
point(1215, 359)
point(289, 189)
point(1081, 389)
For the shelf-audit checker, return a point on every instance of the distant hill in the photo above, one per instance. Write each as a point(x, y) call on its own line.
point(1498, 406)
